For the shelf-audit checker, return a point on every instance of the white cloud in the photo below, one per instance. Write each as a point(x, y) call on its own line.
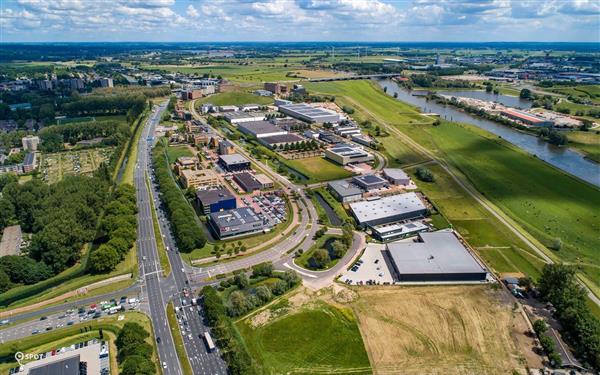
point(192, 11)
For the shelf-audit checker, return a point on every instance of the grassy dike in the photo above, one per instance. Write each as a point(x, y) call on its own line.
point(178, 339)
point(546, 202)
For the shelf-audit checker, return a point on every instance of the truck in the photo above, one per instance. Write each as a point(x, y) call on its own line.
point(209, 342)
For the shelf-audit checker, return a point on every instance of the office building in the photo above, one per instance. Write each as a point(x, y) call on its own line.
point(264, 181)
point(29, 163)
point(393, 232)
point(396, 176)
point(203, 178)
point(276, 88)
point(345, 191)
point(369, 182)
point(234, 162)
point(106, 82)
point(437, 257)
point(226, 147)
point(390, 209)
point(308, 113)
point(185, 162)
point(215, 200)
point(236, 222)
point(30, 142)
point(348, 154)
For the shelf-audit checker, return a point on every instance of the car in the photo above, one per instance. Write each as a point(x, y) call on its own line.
point(43, 318)
point(164, 364)
point(48, 328)
point(158, 339)
point(81, 310)
point(35, 331)
point(4, 322)
point(70, 323)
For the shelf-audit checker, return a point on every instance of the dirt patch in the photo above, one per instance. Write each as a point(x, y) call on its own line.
point(438, 330)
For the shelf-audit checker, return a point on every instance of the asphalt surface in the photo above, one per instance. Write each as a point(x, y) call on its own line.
point(148, 260)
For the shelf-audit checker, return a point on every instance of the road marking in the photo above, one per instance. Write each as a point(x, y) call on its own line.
point(300, 272)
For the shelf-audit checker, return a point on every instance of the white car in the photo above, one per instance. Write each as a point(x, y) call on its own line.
point(164, 364)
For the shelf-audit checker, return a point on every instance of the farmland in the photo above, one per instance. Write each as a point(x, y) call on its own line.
point(313, 338)
point(514, 181)
point(83, 162)
point(438, 330)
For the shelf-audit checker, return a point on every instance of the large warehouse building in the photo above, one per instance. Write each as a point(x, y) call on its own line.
point(215, 200)
point(437, 257)
point(388, 209)
point(305, 112)
point(261, 129)
point(347, 153)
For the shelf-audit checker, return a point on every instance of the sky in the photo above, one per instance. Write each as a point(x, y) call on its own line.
point(299, 20)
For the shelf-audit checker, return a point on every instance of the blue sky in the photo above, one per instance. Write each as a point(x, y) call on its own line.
point(299, 20)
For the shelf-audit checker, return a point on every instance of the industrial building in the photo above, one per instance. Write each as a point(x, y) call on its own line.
point(280, 140)
point(236, 222)
point(242, 116)
point(362, 139)
point(390, 209)
point(392, 232)
point(247, 182)
point(215, 200)
point(12, 237)
point(346, 154)
point(265, 182)
point(203, 178)
point(260, 129)
point(308, 113)
point(526, 118)
point(276, 88)
point(436, 257)
point(396, 176)
point(369, 182)
point(346, 131)
point(234, 162)
point(345, 191)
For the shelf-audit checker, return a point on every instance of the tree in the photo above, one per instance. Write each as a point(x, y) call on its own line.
point(5, 283)
point(320, 258)
point(338, 249)
point(262, 269)
point(540, 327)
point(425, 174)
point(104, 259)
point(525, 94)
point(238, 304)
point(241, 280)
point(556, 244)
point(264, 293)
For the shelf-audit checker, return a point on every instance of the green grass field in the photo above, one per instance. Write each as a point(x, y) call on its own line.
point(318, 169)
point(234, 98)
point(546, 202)
point(586, 92)
point(174, 152)
point(323, 339)
point(586, 142)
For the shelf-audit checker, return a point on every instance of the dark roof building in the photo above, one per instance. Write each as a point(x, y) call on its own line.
point(261, 129)
point(282, 139)
point(369, 182)
point(247, 182)
point(345, 191)
point(67, 366)
point(215, 200)
point(236, 222)
point(234, 162)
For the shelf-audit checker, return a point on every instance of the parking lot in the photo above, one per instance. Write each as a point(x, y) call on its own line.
point(268, 206)
point(370, 268)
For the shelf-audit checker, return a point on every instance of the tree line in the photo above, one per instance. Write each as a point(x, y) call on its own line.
point(580, 328)
point(131, 104)
point(118, 227)
point(134, 354)
point(53, 137)
point(188, 234)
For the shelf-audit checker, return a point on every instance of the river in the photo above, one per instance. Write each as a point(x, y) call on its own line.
point(562, 158)
point(507, 100)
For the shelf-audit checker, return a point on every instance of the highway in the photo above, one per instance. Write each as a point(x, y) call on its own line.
point(148, 261)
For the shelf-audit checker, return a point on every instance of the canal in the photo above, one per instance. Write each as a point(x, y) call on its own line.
point(562, 158)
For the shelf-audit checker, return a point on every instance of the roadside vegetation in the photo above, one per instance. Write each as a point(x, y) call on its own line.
point(178, 340)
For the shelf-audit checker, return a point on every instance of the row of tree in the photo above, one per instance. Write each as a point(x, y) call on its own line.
point(188, 234)
point(113, 133)
point(118, 226)
point(299, 146)
point(133, 352)
point(540, 327)
point(92, 105)
point(553, 136)
point(227, 337)
point(558, 285)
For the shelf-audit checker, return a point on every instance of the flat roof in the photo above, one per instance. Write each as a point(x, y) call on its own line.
point(395, 173)
point(234, 217)
point(11, 240)
point(439, 252)
point(248, 180)
point(208, 197)
point(370, 179)
point(344, 188)
point(524, 115)
point(347, 150)
point(384, 230)
point(308, 110)
point(233, 159)
point(241, 114)
point(67, 366)
point(263, 179)
point(282, 138)
point(386, 207)
point(260, 127)
point(29, 159)
point(190, 173)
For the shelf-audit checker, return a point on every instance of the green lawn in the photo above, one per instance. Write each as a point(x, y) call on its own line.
point(586, 142)
point(318, 169)
point(174, 152)
point(178, 340)
point(234, 98)
point(586, 92)
point(323, 339)
point(303, 260)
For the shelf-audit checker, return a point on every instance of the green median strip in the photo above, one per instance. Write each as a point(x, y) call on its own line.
point(160, 245)
point(178, 339)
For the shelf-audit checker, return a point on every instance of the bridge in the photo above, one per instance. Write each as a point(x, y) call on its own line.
point(355, 77)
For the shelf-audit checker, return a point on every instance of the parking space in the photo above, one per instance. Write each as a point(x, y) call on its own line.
point(371, 268)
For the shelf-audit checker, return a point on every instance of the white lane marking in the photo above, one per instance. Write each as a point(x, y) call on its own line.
point(300, 272)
